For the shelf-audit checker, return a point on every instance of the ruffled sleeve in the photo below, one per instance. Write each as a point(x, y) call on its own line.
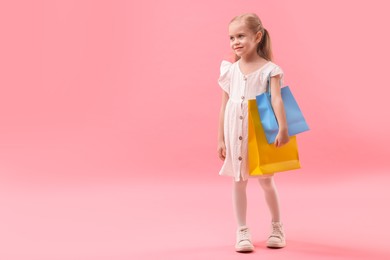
point(224, 78)
point(278, 71)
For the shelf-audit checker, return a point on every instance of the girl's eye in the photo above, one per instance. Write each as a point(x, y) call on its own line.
point(231, 38)
point(240, 36)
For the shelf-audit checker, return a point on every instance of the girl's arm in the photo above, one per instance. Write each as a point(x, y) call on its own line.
point(277, 104)
point(221, 138)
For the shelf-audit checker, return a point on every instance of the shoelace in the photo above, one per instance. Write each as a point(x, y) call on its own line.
point(276, 231)
point(243, 234)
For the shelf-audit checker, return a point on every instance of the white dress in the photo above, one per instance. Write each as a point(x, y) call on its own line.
point(240, 88)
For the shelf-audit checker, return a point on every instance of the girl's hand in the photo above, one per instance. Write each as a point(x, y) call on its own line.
point(282, 138)
point(221, 150)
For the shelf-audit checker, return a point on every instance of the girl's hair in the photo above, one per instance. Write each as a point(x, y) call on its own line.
point(253, 22)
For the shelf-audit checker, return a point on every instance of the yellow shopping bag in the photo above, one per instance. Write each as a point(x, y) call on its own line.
point(264, 158)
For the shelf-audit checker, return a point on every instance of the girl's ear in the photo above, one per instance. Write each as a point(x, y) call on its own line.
point(259, 35)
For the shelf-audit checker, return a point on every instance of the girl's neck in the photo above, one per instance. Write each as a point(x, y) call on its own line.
point(251, 59)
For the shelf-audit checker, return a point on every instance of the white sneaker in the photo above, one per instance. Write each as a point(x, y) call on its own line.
point(277, 238)
point(243, 240)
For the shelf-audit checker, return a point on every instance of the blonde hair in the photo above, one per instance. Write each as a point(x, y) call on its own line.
point(253, 23)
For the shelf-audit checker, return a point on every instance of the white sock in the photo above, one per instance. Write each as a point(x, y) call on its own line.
point(240, 201)
point(271, 197)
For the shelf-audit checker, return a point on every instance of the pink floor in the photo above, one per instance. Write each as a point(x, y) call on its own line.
point(333, 217)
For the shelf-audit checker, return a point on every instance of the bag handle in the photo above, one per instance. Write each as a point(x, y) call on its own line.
point(268, 88)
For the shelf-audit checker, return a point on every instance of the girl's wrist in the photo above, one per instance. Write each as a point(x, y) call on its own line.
point(283, 129)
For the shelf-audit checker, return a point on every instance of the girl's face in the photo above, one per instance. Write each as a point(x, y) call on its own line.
point(242, 40)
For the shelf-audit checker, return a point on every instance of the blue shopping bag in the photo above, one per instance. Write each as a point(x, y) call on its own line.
point(296, 123)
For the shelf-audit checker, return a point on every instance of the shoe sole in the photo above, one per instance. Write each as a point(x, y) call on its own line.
point(245, 249)
point(276, 245)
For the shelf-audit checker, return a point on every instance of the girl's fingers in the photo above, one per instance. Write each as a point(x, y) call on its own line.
point(221, 154)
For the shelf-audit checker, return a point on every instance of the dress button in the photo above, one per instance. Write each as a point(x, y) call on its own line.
point(242, 97)
point(244, 77)
point(241, 117)
point(240, 158)
point(240, 137)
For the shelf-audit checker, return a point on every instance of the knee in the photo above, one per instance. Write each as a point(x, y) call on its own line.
point(267, 183)
point(240, 185)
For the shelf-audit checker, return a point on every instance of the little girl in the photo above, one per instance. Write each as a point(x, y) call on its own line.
point(241, 81)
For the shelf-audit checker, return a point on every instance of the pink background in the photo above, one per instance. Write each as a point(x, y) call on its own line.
point(96, 93)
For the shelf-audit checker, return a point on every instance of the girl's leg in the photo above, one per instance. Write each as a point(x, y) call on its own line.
point(277, 237)
point(243, 236)
point(271, 196)
point(240, 201)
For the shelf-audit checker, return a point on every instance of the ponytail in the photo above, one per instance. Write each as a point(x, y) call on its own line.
point(264, 47)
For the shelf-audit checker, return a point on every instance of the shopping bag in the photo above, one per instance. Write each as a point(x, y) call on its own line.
point(296, 123)
point(265, 158)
